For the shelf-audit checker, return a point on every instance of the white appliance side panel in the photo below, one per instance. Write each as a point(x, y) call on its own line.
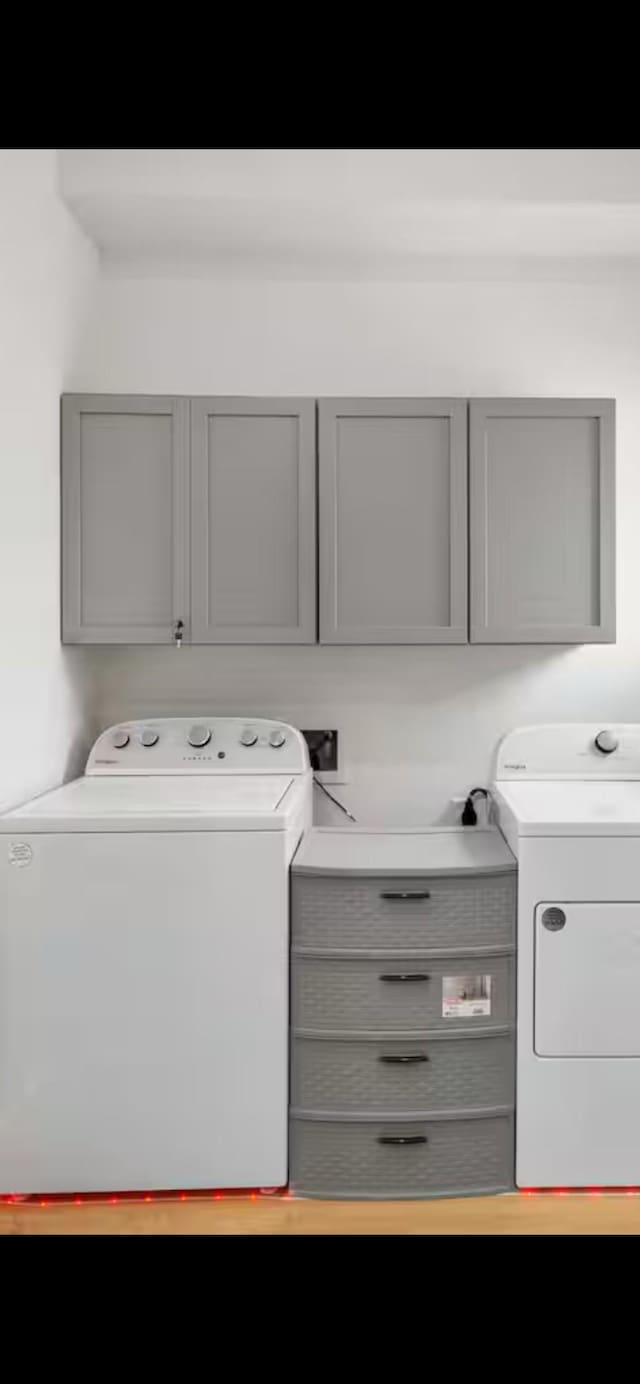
point(577, 1120)
point(143, 1011)
point(506, 821)
point(587, 979)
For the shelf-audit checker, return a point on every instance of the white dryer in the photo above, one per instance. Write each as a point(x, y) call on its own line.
point(144, 962)
point(568, 803)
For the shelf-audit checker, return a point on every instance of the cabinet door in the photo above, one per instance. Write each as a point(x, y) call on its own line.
point(542, 493)
point(125, 514)
point(253, 527)
point(393, 521)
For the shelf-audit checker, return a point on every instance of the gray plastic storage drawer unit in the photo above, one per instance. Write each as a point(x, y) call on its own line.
point(402, 1013)
point(444, 1071)
point(336, 994)
point(400, 914)
point(413, 1158)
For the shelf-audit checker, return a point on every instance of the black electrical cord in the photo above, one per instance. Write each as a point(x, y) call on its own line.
point(315, 765)
point(469, 816)
point(329, 795)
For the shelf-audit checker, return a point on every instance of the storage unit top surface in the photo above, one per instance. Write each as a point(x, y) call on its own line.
point(434, 851)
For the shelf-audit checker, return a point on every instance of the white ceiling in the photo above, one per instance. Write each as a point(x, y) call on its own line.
point(357, 213)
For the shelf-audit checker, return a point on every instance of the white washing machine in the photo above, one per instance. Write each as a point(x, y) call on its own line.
point(144, 965)
point(568, 803)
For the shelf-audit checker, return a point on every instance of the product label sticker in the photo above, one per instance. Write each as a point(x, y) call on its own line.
point(20, 854)
point(465, 997)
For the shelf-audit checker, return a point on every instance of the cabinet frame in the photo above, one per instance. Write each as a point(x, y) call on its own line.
point(329, 412)
point(305, 631)
point(74, 629)
point(480, 411)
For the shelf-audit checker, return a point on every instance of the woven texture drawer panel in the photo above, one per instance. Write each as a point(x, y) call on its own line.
point(345, 1159)
point(464, 1074)
point(350, 913)
point(339, 994)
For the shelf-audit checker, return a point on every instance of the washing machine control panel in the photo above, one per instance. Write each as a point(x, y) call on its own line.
point(204, 745)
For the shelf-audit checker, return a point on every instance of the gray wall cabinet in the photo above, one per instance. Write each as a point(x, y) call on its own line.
point(125, 519)
point(542, 521)
point(253, 530)
point(203, 511)
point(199, 510)
point(393, 521)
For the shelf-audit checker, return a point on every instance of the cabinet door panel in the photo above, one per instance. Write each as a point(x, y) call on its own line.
point(253, 521)
point(392, 521)
point(125, 516)
point(542, 521)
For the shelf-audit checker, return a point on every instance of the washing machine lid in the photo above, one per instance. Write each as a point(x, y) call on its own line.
point(171, 803)
point(576, 808)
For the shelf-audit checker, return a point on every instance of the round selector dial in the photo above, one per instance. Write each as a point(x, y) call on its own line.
point(120, 739)
point(199, 736)
point(149, 737)
point(606, 742)
point(277, 739)
point(249, 736)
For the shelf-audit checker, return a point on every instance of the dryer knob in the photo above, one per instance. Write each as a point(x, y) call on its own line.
point(249, 736)
point(148, 738)
point(199, 736)
point(606, 742)
point(277, 739)
point(120, 739)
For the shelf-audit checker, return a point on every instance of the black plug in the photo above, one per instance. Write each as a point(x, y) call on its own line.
point(469, 816)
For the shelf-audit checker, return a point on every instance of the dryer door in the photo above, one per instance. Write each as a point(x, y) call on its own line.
point(587, 979)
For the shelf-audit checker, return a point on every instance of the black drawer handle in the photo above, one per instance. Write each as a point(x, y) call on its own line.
point(402, 1139)
point(403, 1057)
point(405, 975)
point(405, 894)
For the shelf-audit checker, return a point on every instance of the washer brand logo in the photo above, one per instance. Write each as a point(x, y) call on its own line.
point(515, 766)
point(20, 854)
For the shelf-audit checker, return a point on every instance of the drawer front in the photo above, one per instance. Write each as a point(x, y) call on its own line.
point(461, 1074)
point(406, 914)
point(340, 995)
point(447, 1157)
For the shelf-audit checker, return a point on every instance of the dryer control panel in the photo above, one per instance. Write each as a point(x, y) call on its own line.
point(586, 750)
point(199, 745)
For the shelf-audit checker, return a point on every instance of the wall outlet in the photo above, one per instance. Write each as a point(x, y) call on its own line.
point(484, 810)
point(323, 750)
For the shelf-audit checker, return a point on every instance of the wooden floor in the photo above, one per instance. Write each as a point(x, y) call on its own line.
point(528, 1214)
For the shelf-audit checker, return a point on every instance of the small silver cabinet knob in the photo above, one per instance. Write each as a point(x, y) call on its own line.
point(199, 736)
point(277, 739)
point(249, 736)
point(149, 737)
point(606, 741)
point(120, 739)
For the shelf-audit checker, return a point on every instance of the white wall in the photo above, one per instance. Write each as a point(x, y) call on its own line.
point(417, 724)
point(46, 271)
